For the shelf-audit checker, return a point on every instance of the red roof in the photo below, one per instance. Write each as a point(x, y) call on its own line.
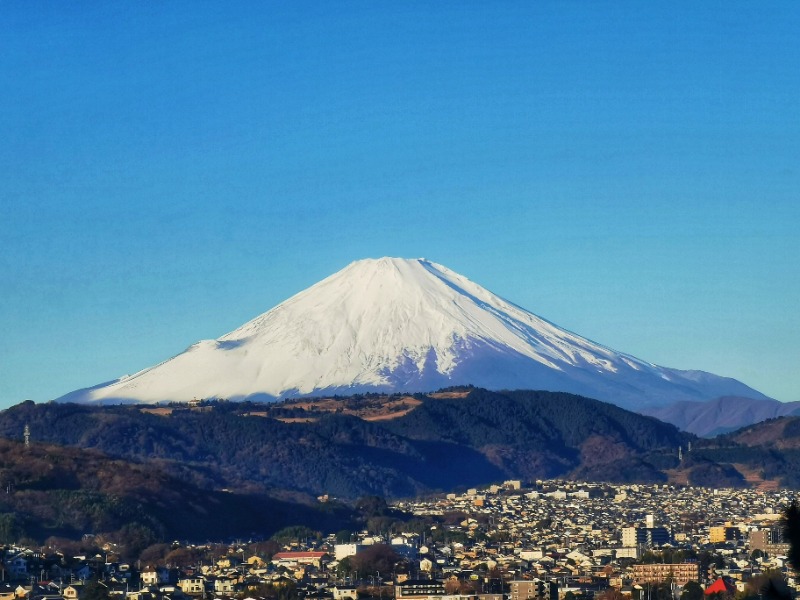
point(720, 586)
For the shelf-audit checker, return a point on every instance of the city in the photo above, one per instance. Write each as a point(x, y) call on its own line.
point(550, 539)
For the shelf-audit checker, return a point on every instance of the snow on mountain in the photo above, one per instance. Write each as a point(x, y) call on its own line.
point(395, 324)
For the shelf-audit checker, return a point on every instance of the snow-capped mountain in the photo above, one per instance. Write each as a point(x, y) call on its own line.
point(395, 324)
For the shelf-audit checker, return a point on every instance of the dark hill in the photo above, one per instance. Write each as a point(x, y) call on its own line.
point(50, 490)
point(767, 452)
point(420, 444)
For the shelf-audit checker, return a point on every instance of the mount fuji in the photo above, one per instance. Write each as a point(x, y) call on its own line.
point(404, 325)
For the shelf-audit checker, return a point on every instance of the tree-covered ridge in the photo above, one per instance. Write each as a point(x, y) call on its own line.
point(437, 442)
point(443, 441)
point(66, 492)
point(770, 449)
point(542, 418)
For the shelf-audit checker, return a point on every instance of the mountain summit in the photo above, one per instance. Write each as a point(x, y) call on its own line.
point(392, 324)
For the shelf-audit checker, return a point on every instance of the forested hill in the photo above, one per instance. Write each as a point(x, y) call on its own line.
point(386, 445)
point(768, 452)
point(52, 491)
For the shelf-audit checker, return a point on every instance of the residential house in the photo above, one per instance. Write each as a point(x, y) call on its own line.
point(225, 585)
point(344, 593)
point(291, 559)
point(73, 591)
point(192, 586)
point(7, 592)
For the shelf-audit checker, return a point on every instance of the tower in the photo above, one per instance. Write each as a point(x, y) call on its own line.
point(27, 435)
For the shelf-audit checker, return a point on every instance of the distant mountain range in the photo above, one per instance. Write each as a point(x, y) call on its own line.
point(721, 415)
point(396, 325)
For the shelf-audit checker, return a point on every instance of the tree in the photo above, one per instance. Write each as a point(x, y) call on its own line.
point(10, 529)
point(692, 591)
point(344, 536)
point(154, 555)
point(770, 585)
point(95, 590)
point(378, 558)
point(182, 557)
point(372, 506)
point(295, 533)
point(791, 532)
point(609, 594)
point(344, 566)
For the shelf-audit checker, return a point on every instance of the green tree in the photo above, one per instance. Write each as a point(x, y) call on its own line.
point(344, 536)
point(344, 567)
point(295, 533)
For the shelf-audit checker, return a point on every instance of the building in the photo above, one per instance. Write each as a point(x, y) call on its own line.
point(680, 573)
point(293, 559)
point(770, 541)
point(535, 589)
point(649, 537)
point(724, 533)
point(341, 551)
point(192, 586)
point(416, 589)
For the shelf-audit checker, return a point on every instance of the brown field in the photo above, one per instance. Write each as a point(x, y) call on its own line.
point(449, 395)
point(368, 408)
point(756, 479)
point(159, 410)
point(377, 408)
point(677, 476)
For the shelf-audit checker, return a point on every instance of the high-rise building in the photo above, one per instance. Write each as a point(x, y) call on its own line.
point(648, 537)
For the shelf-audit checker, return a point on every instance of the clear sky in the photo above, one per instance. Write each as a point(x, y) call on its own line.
point(169, 170)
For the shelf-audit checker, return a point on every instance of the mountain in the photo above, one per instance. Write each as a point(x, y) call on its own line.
point(394, 324)
point(766, 453)
point(396, 445)
point(721, 415)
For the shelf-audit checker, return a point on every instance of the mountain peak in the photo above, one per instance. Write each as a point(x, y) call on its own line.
point(395, 324)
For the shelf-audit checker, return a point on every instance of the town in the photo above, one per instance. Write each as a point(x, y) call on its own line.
point(550, 540)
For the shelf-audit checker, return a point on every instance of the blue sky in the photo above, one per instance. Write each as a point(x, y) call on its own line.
point(629, 171)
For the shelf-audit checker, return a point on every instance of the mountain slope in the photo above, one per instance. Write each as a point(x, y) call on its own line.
point(51, 490)
point(404, 325)
point(722, 415)
point(769, 452)
point(443, 442)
